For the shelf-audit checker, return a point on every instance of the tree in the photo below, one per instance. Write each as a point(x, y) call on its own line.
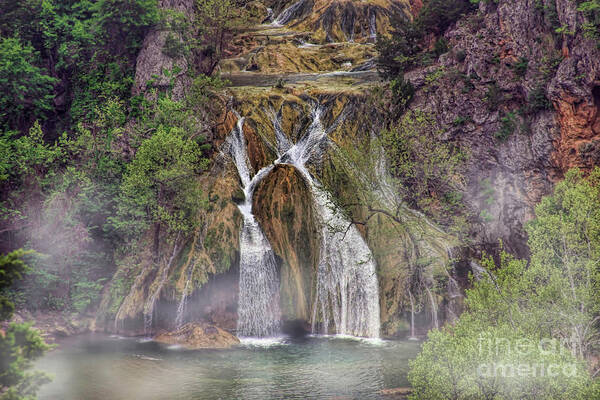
point(25, 89)
point(565, 261)
point(424, 164)
point(217, 18)
point(20, 345)
point(160, 186)
point(472, 360)
point(408, 45)
point(553, 298)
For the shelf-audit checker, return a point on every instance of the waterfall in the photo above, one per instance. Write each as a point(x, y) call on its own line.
point(434, 316)
point(120, 315)
point(183, 302)
point(269, 14)
point(373, 26)
point(150, 303)
point(286, 15)
point(412, 316)
point(258, 305)
point(347, 290)
point(347, 279)
point(478, 271)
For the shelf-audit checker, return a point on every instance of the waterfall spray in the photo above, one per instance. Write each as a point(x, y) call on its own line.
point(412, 316)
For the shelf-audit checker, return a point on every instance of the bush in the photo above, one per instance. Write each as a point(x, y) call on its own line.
point(508, 124)
point(493, 97)
point(537, 101)
point(402, 93)
point(520, 67)
point(474, 361)
point(25, 90)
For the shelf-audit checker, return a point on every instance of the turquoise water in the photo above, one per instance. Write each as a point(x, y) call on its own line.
point(94, 367)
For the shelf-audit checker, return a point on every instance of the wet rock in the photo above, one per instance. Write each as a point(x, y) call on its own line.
point(198, 336)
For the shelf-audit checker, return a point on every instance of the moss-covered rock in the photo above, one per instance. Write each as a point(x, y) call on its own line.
point(196, 336)
point(283, 207)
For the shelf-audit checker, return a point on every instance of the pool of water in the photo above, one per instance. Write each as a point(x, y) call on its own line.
point(98, 367)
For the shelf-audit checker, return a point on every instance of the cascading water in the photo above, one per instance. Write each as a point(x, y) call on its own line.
point(434, 314)
point(286, 15)
point(373, 26)
point(412, 316)
point(183, 302)
point(347, 287)
point(258, 306)
point(347, 291)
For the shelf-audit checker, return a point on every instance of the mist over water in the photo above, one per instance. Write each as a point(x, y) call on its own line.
point(98, 367)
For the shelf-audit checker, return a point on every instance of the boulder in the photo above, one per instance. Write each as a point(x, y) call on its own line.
point(195, 336)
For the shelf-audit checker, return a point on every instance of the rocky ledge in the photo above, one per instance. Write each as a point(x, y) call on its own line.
point(199, 336)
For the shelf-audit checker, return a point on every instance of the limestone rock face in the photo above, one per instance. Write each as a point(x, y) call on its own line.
point(476, 90)
point(283, 206)
point(196, 336)
point(347, 20)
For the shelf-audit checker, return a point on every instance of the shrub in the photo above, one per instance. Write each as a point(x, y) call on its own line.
point(537, 101)
point(402, 92)
point(507, 126)
point(520, 67)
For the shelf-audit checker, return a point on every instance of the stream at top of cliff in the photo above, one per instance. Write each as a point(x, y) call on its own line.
point(97, 366)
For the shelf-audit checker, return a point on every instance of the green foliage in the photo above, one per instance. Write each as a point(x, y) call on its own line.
point(400, 52)
point(25, 90)
point(441, 46)
point(28, 159)
point(508, 124)
point(493, 97)
point(438, 15)
point(551, 300)
point(402, 93)
point(591, 28)
point(218, 18)
point(475, 361)
point(521, 66)
point(160, 185)
point(425, 165)
point(537, 101)
point(12, 268)
point(19, 344)
point(85, 294)
point(406, 47)
point(86, 50)
point(565, 248)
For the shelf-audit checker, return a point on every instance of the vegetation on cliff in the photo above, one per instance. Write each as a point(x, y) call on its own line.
point(87, 167)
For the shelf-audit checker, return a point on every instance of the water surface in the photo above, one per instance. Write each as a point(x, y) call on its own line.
point(99, 367)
